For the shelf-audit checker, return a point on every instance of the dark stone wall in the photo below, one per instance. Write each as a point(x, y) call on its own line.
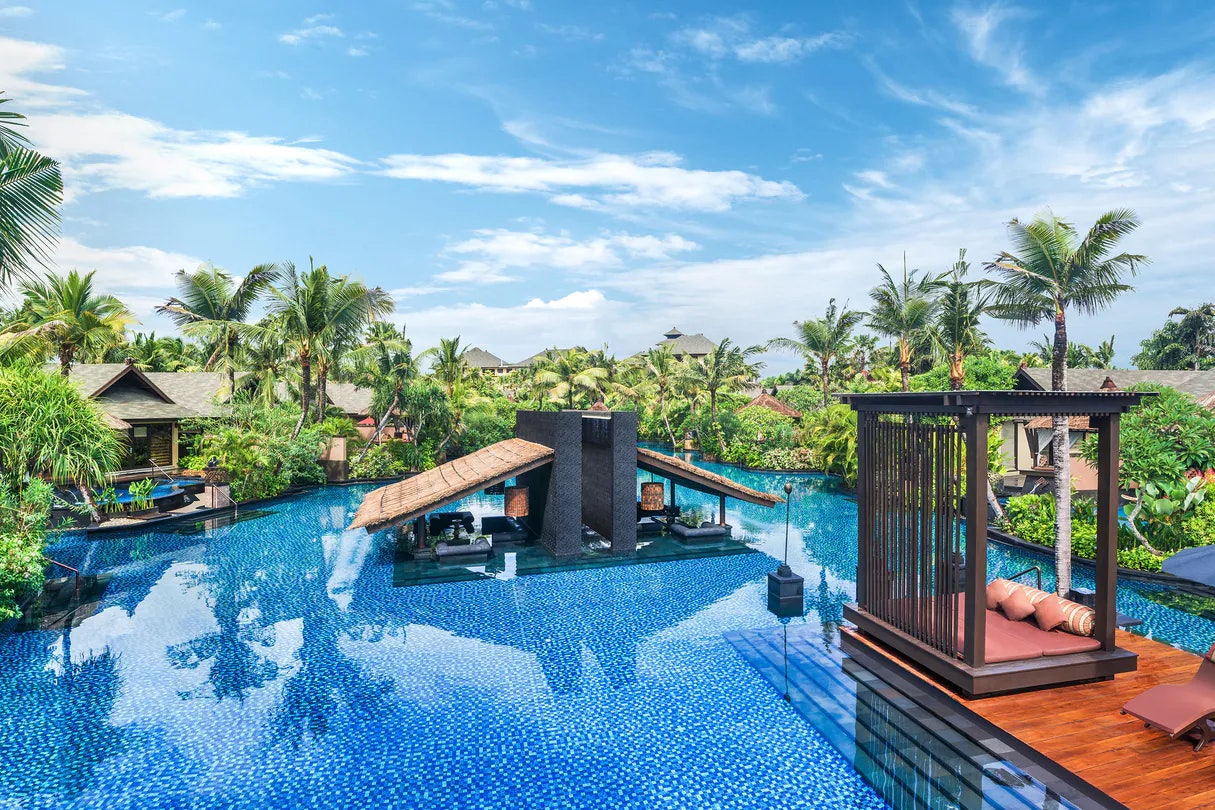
point(609, 477)
point(555, 490)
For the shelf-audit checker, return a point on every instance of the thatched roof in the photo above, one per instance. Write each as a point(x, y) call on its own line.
point(693, 477)
point(400, 502)
point(766, 400)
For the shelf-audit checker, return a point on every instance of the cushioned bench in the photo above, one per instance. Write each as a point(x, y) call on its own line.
point(478, 549)
point(1016, 614)
point(504, 529)
point(704, 533)
point(440, 521)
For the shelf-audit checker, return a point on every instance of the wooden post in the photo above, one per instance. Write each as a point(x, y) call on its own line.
point(864, 507)
point(1107, 530)
point(722, 511)
point(672, 494)
point(974, 428)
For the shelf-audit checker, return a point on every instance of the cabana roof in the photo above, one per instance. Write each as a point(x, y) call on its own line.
point(693, 477)
point(397, 503)
point(766, 400)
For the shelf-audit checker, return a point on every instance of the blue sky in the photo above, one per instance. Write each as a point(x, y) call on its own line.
point(528, 173)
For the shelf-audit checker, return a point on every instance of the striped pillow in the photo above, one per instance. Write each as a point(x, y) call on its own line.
point(1079, 620)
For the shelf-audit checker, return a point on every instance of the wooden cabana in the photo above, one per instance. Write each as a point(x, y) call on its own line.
point(922, 532)
point(678, 471)
point(398, 503)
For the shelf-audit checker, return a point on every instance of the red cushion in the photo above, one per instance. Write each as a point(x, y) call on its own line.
point(1016, 606)
point(1050, 613)
point(1003, 645)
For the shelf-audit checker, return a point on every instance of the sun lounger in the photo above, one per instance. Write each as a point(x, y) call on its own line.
point(1181, 709)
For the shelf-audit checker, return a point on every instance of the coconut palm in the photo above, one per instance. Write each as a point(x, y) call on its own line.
point(662, 370)
point(1197, 330)
point(213, 306)
point(315, 307)
point(265, 361)
point(567, 376)
point(1050, 271)
point(725, 369)
point(905, 312)
point(386, 364)
point(31, 191)
point(68, 316)
point(449, 363)
point(956, 332)
point(821, 341)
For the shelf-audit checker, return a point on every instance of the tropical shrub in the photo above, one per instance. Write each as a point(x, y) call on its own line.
point(1199, 525)
point(792, 458)
point(342, 426)
point(804, 398)
point(984, 372)
point(1032, 518)
point(830, 433)
point(759, 430)
point(23, 526)
point(141, 492)
point(482, 427)
point(378, 462)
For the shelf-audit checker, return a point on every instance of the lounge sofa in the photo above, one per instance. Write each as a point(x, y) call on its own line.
point(704, 533)
point(479, 549)
point(504, 529)
point(441, 521)
point(1181, 709)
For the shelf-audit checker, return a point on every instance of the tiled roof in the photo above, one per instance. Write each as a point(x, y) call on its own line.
point(695, 345)
point(1076, 423)
point(1194, 383)
point(479, 358)
point(766, 400)
point(349, 397)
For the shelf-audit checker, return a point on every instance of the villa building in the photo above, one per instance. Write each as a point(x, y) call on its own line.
point(695, 346)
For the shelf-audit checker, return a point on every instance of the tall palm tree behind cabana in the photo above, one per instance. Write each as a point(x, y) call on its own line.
point(1050, 271)
point(956, 332)
point(213, 306)
point(821, 341)
point(904, 311)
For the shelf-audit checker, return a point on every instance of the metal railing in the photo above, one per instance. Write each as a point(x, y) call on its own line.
point(76, 571)
point(1037, 569)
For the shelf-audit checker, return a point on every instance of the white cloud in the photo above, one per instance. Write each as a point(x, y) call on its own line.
point(15, 12)
point(445, 11)
point(732, 37)
point(315, 29)
point(135, 267)
point(212, 25)
point(21, 59)
point(356, 52)
point(106, 151)
point(172, 16)
point(996, 51)
point(650, 180)
point(571, 33)
point(491, 254)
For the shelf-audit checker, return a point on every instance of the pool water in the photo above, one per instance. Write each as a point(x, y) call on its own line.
point(274, 662)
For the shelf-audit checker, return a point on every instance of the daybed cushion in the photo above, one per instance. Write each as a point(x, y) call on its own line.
point(480, 548)
point(1079, 621)
point(1050, 613)
point(712, 532)
point(1016, 606)
point(1048, 643)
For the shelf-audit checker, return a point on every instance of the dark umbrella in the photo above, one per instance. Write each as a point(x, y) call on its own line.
point(1196, 563)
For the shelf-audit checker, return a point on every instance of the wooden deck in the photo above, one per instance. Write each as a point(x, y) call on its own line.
point(1080, 728)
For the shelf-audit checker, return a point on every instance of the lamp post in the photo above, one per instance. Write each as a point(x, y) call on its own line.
point(784, 568)
point(786, 592)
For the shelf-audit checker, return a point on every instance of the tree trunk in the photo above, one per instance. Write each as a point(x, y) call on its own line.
point(231, 367)
point(905, 363)
point(1060, 447)
point(305, 390)
point(65, 360)
point(957, 371)
point(666, 420)
point(86, 494)
point(396, 398)
point(826, 385)
point(322, 380)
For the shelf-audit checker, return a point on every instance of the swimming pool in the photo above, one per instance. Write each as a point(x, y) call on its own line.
point(272, 662)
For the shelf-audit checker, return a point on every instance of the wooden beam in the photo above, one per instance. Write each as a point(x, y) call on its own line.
point(1107, 529)
point(974, 429)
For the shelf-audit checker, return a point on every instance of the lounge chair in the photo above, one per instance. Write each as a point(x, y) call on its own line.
point(1181, 709)
point(504, 529)
point(704, 533)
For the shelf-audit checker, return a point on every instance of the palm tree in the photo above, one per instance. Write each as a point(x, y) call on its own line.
point(264, 358)
point(387, 365)
point(312, 309)
point(821, 340)
point(567, 375)
point(662, 370)
point(1198, 326)
point(956, 332)
point(31, 191)
point(213, 306)
point(905, 311)
point(450, 366)
point(1053, 270)
point(71, 317)
point(726, 368)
